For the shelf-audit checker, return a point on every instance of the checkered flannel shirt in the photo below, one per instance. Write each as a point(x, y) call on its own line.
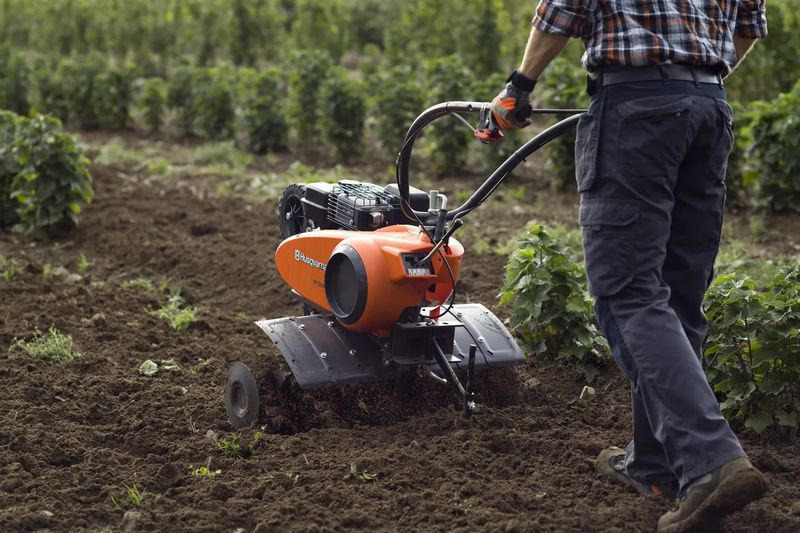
point(653, 32)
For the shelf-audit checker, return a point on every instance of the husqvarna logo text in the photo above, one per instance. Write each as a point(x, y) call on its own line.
point(298, 256)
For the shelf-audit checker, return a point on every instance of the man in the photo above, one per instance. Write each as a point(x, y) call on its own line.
point(651, 154)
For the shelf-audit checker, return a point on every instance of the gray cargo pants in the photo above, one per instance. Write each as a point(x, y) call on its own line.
point(651, 160)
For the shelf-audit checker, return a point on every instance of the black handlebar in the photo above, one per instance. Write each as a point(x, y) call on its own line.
point(496, 178)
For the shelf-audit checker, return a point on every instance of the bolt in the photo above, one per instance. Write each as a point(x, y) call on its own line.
point(330, 323)
point(324, 355)
point(353, 352)
point(481, 339)
point(386, 362)
point(459, 313)
point(301, 327)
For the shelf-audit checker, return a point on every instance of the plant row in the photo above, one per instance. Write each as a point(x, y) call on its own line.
point(44, 180)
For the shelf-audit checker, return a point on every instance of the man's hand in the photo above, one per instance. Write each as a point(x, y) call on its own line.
point(511, 108)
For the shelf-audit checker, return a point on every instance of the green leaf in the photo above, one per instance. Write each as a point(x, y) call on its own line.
point(759, 422)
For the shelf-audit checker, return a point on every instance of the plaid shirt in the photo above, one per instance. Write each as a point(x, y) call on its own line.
point(653, 32)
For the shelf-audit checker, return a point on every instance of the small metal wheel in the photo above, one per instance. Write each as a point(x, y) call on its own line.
point(291, 213)
point(241, 396)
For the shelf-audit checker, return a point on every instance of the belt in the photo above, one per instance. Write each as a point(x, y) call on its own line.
point(614, 75)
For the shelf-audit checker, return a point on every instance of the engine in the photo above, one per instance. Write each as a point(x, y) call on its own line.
point(355, 205)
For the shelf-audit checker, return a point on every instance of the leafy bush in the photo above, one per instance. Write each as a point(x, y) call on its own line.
point(50, 95)
point(563, 86)
point(52, 182)
point(752, 352)
point(447, 79)
point(215, 103)
point(775, 133)
point(153, 103)
point(9, 166)
point(79, 79)
point(112, 97)
point(739, 182)
point(551, 309)
point(397, 103)
point(264, 112)
point(342, 103)
point(309, 69)
point(14, 81)
point(181, 98)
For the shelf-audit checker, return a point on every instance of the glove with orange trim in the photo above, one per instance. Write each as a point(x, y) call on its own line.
point(511, 108)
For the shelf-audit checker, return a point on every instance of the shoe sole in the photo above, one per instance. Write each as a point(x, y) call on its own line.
point(730, 496)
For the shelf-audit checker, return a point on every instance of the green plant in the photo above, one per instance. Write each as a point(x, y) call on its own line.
point(264, 112)
point(203, 471)
point(8, 268)
point(215, 104)
point(446, 79)
point(50, 90)
point(52, 183)
point(361, 474)
point(181, 98)
point(51, 346)
point(397, 102)
point(752, 351)
point(80, 80)
point(220, 154)
point(175, 311)
point(83, 264)
point(550, 307)
point(14, 82)
point(9, 166)
point(230, 446)
point(775, 133)
point(341, 101)
point(112, 97)
point(309, 68)
point(153, 102)
point(132, 498)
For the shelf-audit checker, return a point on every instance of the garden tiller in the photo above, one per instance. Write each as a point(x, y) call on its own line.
point(376, 268)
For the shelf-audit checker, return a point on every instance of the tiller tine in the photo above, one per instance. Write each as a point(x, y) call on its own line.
point(320, 351)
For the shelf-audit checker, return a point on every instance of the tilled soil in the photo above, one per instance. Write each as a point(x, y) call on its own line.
point(374, 457)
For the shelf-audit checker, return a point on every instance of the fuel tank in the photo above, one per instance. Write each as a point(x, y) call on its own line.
point(367, 279)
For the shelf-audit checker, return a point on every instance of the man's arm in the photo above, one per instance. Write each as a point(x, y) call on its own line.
point(542, 48)
point(751, 24)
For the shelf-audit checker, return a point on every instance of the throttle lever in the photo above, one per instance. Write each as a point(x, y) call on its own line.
point(488, 131)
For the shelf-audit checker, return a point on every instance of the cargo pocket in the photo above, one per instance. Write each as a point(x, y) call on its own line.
point(609, 242)
point(586, 151)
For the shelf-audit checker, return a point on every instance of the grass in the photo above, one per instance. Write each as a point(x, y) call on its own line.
point(220, 154)
point(230, 446)
point(176, 312)
point(51, 346)
point(132, 497)
point(115, 154)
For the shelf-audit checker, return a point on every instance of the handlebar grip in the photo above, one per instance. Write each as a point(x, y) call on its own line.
point(525, 112)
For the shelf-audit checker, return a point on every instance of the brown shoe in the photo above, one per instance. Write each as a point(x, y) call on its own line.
point(611, 462)
point(713, 496)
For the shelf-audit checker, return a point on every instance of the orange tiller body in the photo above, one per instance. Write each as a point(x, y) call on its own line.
point(390, 288)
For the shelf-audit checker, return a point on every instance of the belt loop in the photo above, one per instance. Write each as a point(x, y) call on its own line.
point(664, 74)
point(694, 75)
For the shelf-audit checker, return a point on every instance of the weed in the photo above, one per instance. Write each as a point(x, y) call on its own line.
point(50, 271)
point(175, 311)
point(159, 166)
point(253, 444)
point(138, 283)
point(294, 477)
point(361, 474)
point(115, 154)
point(132, 497)
point(230, 446)
point(203, 471)
point(8, 268)
point(83, 264)
point(52, 346)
